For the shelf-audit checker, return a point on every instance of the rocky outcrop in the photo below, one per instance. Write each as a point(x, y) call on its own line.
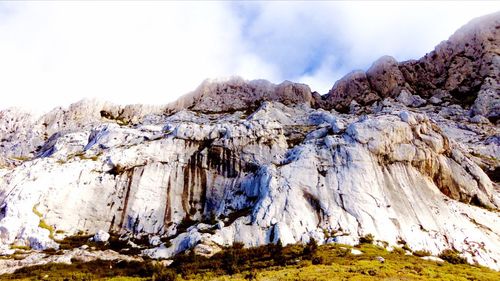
point(466, 67)
point(385, 77)
point(233, 94)
point(26, 135)
point(463, 70)
point(461, 64)
point(175, 179)
point(354, 86)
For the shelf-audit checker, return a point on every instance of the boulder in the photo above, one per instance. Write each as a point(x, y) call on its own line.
point(432, 258)
point(487, 104)
point(356, 252)
point(101, 236)
point(385, 77)
point(154, 240)
point(410, 100)
point(479, 119)
point(352, 87)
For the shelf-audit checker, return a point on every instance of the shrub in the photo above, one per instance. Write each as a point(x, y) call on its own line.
point(252, 275)
point(310, 249)
point(401, 241)
point(231, 258)
point(252, 261)
point(230, 262)
point(406, 248)
point(51, 251)
point(117, 170)
point(342, 252)
point(166, 241)
point(452, 257)
point(398, 251)
point(326, 233)
point(422, 253)
point(74, 241)
point(367, 239)
point(317, 260)
point(385, 244)
point(164, 274)
point(238, 245)
point(278, 255)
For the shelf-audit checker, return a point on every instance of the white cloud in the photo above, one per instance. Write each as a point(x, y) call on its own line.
point(126, 52)
point(55, 53)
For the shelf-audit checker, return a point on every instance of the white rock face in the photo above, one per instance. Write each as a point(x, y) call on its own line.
point(218, 171)
point(282, 173)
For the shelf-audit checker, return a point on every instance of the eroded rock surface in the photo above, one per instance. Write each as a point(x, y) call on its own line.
point(287, 173)
point(466, 68)
point(416, 160)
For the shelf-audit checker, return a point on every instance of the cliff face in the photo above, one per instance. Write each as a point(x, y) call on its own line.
point(416, 160)
point(465, 69)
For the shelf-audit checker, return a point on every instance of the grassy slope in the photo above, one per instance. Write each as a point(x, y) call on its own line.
point(332, 263)
point(364, 267)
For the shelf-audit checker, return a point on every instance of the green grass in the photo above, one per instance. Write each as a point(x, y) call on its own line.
point(83, 156)
point(272, 262)
point(124, 278)
point(20, 247)
point(94, 270)
point(337, 263)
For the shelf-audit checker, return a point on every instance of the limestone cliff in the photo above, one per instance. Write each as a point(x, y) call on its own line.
point(414, 160)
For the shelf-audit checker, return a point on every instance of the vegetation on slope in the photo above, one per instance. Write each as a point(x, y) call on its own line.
point(271, 262)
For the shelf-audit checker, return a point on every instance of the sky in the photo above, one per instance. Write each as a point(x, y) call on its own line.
point(56, 53)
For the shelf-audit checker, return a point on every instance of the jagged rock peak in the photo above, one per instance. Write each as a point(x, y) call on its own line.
point(24, 132)
point(236, 93)
point(466, 67)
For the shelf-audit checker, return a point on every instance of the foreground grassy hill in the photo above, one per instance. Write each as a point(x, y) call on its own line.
point(272, 262)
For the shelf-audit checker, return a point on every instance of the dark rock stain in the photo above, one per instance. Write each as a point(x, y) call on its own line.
point(130, 174)
point(168, 208)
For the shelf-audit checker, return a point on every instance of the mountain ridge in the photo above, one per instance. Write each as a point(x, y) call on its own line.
point(404, 151)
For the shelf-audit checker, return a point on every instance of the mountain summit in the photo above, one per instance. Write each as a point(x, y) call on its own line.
point(406, 152)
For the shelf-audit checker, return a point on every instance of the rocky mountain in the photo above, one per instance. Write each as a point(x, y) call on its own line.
point(406, 151)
